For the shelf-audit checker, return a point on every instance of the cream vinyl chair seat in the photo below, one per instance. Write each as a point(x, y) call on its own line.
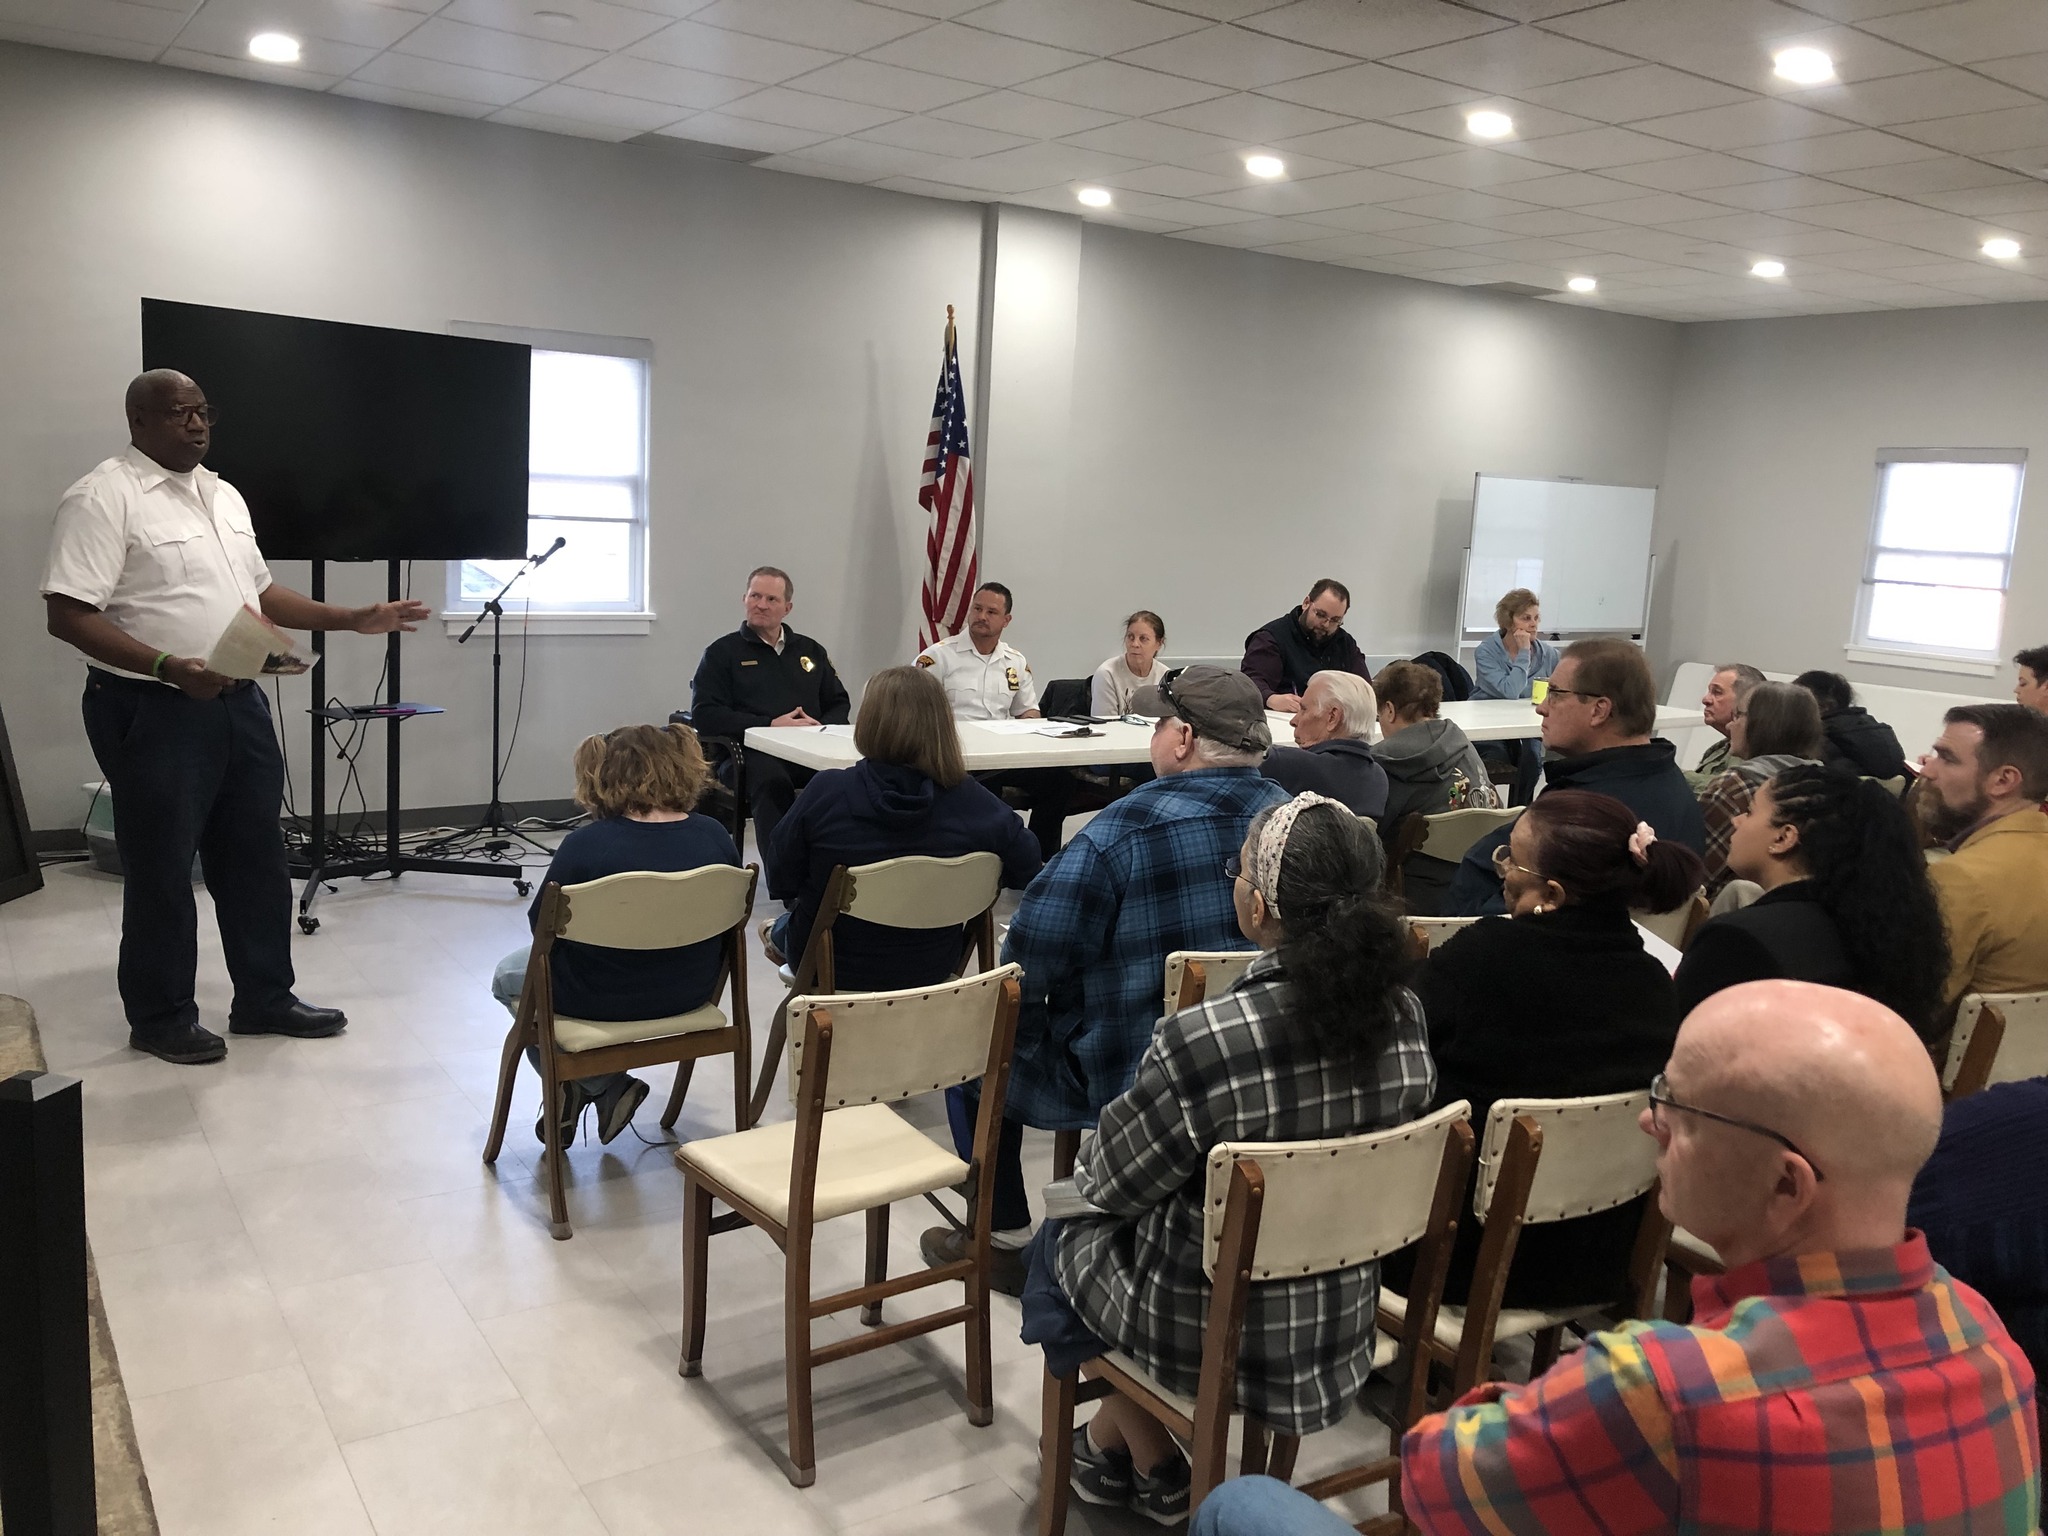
point(1429, 932)
point(2021, 1054)
point(589, 1034)
point(1677, 926)
point(1510, 1323)
point(868, 1155)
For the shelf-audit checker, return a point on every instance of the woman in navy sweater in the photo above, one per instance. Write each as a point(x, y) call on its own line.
point(909, 794)
point(641, 782)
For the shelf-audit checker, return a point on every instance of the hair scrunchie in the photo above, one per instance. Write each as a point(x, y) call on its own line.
point(1272, 845)
point(1639, 843)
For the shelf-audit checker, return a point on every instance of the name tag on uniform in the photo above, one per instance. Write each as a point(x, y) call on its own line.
point(750, 663)
point(806, 663)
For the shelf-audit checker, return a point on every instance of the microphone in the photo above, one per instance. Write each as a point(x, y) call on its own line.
point(541, 559)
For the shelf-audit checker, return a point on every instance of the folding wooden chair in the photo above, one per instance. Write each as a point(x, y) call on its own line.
point(1428, 932)
point(916, 891)
point(1278, 1211)
point(641, 910)
point(847, 1151)
point(2020, 1051)
point(1677, 926)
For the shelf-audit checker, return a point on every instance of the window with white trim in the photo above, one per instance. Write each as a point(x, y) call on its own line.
point(586, 484)
point(1940, 553)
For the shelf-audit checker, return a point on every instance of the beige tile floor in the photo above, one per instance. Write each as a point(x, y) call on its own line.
point(333, 1318)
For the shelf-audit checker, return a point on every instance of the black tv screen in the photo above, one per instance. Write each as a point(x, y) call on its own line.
point(357, 442)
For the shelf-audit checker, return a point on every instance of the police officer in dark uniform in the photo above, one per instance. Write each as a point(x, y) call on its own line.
point(766, 674)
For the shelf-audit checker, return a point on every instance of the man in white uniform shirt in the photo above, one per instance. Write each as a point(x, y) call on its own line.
point(151, 557)
point(986, 678)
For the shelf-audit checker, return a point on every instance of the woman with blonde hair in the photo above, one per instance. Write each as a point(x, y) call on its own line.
point(640, 783)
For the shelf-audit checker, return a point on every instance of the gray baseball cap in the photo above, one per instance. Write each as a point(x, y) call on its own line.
point(1221, 705)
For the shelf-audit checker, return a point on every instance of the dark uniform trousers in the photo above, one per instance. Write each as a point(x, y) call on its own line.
point(194, 775)
point(772, 788)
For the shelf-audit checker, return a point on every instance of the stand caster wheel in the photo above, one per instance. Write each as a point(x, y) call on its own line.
point(523, 887)
point(309, 925)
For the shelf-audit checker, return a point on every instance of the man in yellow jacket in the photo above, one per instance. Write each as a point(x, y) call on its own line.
point(1985, 780)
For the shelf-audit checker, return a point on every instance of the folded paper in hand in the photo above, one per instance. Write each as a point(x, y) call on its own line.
point(251, 646)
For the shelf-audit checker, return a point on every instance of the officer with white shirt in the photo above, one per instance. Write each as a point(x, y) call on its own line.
point(151, 557)
point(986, 678)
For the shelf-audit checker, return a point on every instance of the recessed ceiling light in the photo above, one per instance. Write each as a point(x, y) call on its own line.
point(1803, 66)
point(1094, 197)
point(1582, 285)
point(2001, 249)
point(1266, 166)
point(274, 48)
point(556, 19)
point(1489, 124)
point(1768, 269)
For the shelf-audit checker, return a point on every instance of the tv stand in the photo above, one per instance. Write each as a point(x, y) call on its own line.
point(314, 867)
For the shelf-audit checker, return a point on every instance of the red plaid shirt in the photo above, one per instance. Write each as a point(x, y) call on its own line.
point(1824, 1395)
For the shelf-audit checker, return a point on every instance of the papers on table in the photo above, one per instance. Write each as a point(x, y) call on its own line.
point(1007, 727)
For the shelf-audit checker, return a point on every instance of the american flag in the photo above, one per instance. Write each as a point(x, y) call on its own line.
point(947, 492)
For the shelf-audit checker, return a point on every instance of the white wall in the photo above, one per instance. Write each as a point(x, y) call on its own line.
point(1768, 491)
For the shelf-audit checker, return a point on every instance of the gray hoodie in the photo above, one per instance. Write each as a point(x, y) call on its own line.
point(1421, 761)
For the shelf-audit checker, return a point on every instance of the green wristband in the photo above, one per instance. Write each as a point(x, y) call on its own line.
point(156, 668)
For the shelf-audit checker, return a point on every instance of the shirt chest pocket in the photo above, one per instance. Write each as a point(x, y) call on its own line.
point(169, 551)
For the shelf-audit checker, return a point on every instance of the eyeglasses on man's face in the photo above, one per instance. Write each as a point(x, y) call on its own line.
point(181, 414)
point(1661, 1100)
point(1576, 693)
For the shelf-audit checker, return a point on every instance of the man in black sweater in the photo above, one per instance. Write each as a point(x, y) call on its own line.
point(766, 674)
point(1282, 656)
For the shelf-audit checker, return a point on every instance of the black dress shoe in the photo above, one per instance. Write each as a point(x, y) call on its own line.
point(184, 1045)
point(302, 1020)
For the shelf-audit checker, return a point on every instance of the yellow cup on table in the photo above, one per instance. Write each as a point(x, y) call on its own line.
point(1539, 690)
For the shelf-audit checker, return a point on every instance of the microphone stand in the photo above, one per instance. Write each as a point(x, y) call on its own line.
point(494, 814)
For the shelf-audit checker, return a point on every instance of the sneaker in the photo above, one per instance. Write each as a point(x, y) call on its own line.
point(575, 1098)
point(616, 1108)
point(1161, 1495)
point(1102, 1477)
point(946, 1245)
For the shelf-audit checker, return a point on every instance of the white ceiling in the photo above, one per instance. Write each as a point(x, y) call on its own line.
point(1655, 150)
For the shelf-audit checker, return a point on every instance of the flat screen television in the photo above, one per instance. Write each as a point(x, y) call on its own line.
point(358, 442)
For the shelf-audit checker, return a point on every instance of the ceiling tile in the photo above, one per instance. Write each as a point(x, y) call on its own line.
point(1252, 120)
point(1758, 121)
point(507, 53)
point(1186, 212)
point(983, 57)
point(1552, 222)
point(1460, 206)
point(2029, 71)
point(1367, 218)
point(1328, 247)
point(917, 186)
point(596, 25)
point(1575, 189)
point(112, 20)
point(1833, 152)
point(1447, 234)
point(225, 26)
point(842, 26)
point(624, 75)
point(719, 52)
point(1172, 181)
point(878, 160)
point(1247, 233)
point(1648, 90)
point(1513, 61)
point(1368, 90)
point(1218, 10)
point(1474, 168)
point(1911, 98)
point(1120, 88)
point(1952, 173)
point(431, 77)
point(303, 75)
point(79, 42)
point(1597, 149)
point(805, 163)
point(1676, 32)
point(800, 109)
point(2028, 196)
point(1143, 139)
point(1970, 32)
point(1365, 144)
point(572, 127)
point(570, 101)
point(939, 10)
point(1086, 26)
point(1234, 57)
point(1981, 133)
point(1035, 117)
point(1373, 31)
point(1782, 195)
point(935, 136)
point(1531, 122)
point(1696, 173)
point(359, 89)
point(1347, 189)
point(1747, 229)
point(739, 133)
point(1035, 165)
point(884, 85)
point(1655, 208)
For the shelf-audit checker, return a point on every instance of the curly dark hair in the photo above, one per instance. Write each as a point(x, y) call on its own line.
point(1861, 852)
point(1345, 950)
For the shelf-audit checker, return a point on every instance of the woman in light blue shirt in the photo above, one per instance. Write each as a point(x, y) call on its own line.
point(1510, 661)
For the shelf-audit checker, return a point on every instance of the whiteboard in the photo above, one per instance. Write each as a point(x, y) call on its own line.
point(1583, 549)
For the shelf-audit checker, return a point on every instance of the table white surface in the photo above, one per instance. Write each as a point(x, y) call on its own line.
point(1008, 744)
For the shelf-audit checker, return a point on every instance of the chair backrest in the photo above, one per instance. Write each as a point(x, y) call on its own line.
point(1220, 970)
point(1894, 787)
point(1677, 926)
point(1449, 834)
point(1066, 696)
point(647, 909)
point(1337, 1202)
point(1432, 931)
point(2024, 1051)
point(1594, 1155)
point(892, 1045)
point(918, 891)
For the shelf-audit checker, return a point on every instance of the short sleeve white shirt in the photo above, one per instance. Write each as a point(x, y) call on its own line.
point(167, 558)
point(997, 686)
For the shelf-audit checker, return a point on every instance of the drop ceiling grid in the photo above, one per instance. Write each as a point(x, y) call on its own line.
point(1654, 148)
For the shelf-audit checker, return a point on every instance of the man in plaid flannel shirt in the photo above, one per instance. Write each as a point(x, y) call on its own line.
point(1834, 1382)
point(1141, 880)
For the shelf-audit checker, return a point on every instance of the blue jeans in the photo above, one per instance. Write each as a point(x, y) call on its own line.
point(506, 983)
point(1261, 1506)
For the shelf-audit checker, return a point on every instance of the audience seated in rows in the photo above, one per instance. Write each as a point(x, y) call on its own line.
point(1982, 1201)
point(1846, 900)
point(1833, 1380)
point(2030, 680)
point(1117, 680)
point(1142, 879)
point(1982, 788)
point(1281, 656)
point(1856, 741)
point(1320, 1038)
point(1332, 752)
point(1775, 725)
point(1559, 1000)
point(909, 794)
point(1598, 716)
point(640, 784)
point(1431, 765)
point(1725, 688)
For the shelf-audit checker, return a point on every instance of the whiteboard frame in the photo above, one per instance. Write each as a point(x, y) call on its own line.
point(1470, 638)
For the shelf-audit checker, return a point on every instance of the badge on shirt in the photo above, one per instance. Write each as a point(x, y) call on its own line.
point(926, 661)
point(1010, 677)
point(750, 663)
point(807, 664)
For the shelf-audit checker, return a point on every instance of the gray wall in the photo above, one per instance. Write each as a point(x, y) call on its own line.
point(1768, 490)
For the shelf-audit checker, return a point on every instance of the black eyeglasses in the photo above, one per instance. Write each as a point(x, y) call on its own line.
point(1660, 1099)
point(1234, 867)
point(1578, 693)
point(183, 413)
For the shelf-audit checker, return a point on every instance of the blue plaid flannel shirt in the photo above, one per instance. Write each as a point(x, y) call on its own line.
point(1141, 880)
